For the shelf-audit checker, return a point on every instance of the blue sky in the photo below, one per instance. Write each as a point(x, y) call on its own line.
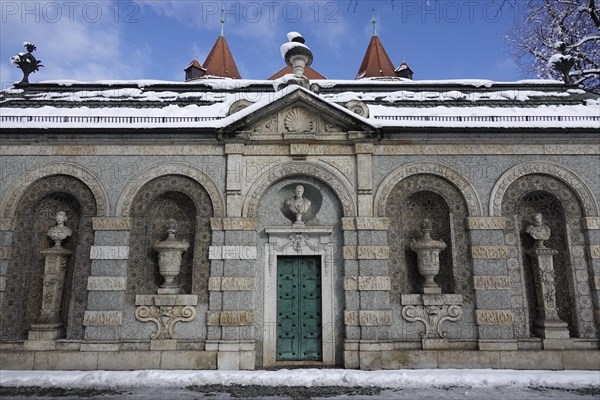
point(156, 39)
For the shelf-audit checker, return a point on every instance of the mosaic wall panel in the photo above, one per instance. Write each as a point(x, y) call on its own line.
point(562, 212)
point(427, 196)
point(159, 200)
point(35, 215)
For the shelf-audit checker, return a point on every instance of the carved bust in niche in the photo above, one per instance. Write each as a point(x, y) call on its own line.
point(538, 230)
point(299, 205)
point(60, 232)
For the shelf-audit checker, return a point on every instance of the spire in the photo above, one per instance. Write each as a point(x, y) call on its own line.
point(219, 62)
point(376, 62)
point(374, 22)
point(222, 22)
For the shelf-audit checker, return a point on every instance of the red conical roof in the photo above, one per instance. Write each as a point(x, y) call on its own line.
point(376, 62)
point(220, 61)
point(308, 72)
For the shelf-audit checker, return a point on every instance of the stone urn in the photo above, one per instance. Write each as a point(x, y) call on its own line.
point(170, 252)
point(428, 257)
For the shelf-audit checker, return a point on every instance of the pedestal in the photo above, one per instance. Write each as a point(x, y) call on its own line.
point(432, 310)
point(165, 311)
point(49, 325)
point(547, 325)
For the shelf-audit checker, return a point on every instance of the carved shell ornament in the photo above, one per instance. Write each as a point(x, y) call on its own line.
point(298, 120)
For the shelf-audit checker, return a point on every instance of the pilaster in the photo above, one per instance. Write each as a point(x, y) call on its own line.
point(107, 283)
point(491, 283)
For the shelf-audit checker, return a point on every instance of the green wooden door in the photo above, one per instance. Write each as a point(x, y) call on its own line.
point(299, 309)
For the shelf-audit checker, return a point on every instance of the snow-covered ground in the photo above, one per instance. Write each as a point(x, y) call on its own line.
point(304, 377)
point(320, 383)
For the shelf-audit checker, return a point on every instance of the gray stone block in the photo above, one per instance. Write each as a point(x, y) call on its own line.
point(352, 332)
point(398, 359)
point(215, 299)
point(3, 267)
point(14, 360)
point(595, 265)
point(100, 301)
point(486, 237)
point(239, 300)
point(195, 360)
point(373, 267)
point(496, 331)
point(587, 360)
point(468, 359)
point(218, 238)
point(109, 268)
point(350, 238)
point(531, 360)
point(593, 236)
point(129, 360)
point(240, 238)
point(489, 266)
point(241, 268)
point(493, 299)
point(6, 238)
point(375, 300)
point(350, 267)
point(372, 238)
point(352, 300)
point(68, 361)
point(111, 238)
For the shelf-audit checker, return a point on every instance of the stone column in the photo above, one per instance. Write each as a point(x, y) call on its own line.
point(234, 178)
point(49, 325)
point(364, 172)
point(547, 324)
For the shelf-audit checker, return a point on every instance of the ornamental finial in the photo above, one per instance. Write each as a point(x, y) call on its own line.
point(374, 22)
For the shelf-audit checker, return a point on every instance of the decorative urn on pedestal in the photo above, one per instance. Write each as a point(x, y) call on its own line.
point(298, 56)
point(428, 257)
point(170, 252)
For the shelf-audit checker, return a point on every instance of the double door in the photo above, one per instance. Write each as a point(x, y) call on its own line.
point(299, 329)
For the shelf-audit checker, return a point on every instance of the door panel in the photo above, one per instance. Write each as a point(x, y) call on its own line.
point(299, 309)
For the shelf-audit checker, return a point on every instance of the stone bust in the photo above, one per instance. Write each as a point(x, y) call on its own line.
point(59, 232)
point(298, 204)
point(538, 230)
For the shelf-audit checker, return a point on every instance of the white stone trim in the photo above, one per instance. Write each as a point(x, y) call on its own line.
point(232, 253)
point(107, 283)
point(109, 253)
point(316, 242)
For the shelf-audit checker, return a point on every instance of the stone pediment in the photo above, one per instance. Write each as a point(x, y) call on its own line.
point(298, 115)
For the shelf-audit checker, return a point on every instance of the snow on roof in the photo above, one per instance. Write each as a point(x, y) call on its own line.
point(392, 103)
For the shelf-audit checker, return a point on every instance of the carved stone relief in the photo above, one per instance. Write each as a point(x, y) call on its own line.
point(412, 200)
point(185, 201)
point(527, 196)
point(35, 214)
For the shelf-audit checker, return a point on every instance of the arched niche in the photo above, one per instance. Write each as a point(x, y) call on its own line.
point(170, 197)
point(35, 214)
point(411, 201)
point(562, 212)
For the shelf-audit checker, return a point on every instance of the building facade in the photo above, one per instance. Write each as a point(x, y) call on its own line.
point(221, 223)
